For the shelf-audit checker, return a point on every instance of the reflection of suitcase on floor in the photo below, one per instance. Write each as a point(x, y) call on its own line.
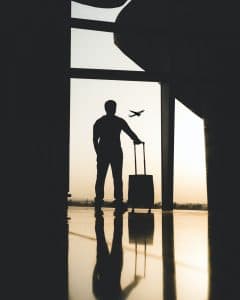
point(140, 232)
point(140, 187)
point(140, 228)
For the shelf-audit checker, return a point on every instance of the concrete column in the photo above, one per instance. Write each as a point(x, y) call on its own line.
point(167, 141)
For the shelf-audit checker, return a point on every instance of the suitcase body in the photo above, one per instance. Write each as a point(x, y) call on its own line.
point(140, 187)
point(140, 191)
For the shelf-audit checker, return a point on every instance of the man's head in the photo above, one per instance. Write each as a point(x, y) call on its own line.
point(110, 107)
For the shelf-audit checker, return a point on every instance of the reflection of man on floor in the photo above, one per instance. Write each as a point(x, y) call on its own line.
point(106, 140)
point(108, 268)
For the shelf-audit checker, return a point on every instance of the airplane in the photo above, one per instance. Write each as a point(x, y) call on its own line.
point(136, 113)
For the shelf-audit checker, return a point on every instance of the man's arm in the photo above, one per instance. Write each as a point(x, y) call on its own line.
point(95, 138)
point(130, 133)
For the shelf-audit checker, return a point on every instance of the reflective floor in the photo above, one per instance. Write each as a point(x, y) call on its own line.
point(138, 255)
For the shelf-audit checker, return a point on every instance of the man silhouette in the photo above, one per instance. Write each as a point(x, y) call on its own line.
point(107, 144)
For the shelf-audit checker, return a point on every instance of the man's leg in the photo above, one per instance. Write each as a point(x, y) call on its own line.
point(102, 166)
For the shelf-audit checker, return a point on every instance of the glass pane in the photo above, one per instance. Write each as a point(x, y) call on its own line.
point(96, 49)
point(189, 158)
point(87, 105)
point(93, 13)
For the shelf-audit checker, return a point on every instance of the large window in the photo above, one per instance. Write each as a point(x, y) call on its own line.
point(87, 105)
point(93, 54)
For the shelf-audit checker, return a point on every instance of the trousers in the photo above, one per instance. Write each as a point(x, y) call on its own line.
point(115, 160)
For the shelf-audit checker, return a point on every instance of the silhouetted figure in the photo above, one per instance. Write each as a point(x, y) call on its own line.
point(108, 268)
point(106, 140)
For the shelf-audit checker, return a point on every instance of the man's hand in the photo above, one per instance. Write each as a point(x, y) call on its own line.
point(137, 142)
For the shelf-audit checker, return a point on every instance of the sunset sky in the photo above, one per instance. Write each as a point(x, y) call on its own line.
point(90, 49)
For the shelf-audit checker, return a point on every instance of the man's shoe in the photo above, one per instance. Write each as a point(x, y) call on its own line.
point(120, 209)
point(98, 212)
point(98, 203)
point(113, 203)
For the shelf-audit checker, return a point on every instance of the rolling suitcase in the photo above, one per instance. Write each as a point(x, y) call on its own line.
point(140, 187)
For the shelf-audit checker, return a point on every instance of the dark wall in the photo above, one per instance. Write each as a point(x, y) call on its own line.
point(35, 149)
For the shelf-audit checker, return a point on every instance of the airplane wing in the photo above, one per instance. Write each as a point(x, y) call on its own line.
point(134, 112)
point(141, 111)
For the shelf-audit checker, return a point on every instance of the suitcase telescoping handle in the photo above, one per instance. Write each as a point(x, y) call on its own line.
point(144, 160)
